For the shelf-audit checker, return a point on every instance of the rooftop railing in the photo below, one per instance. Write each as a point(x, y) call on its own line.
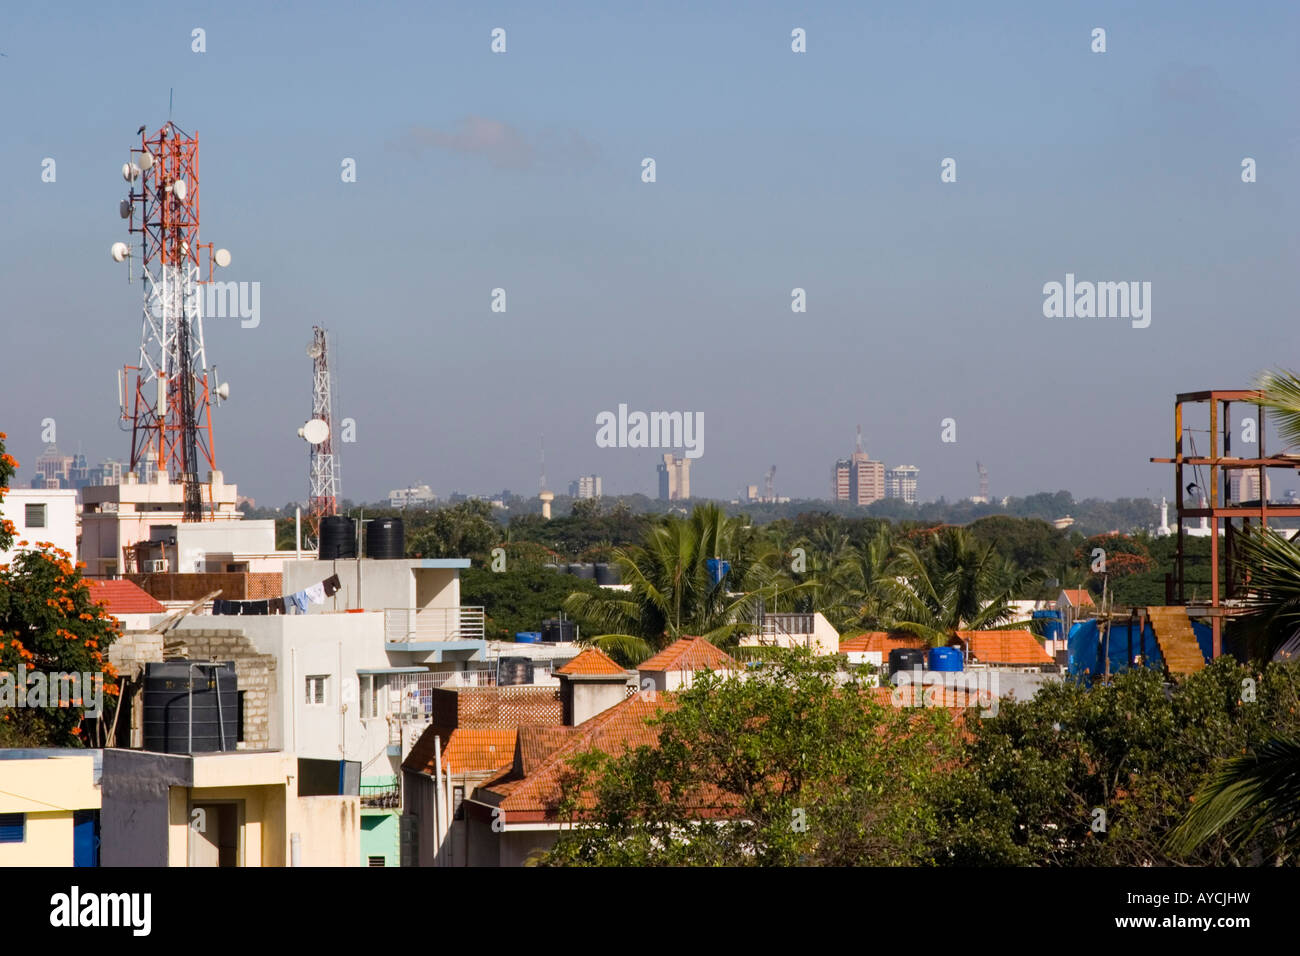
point(408, 625)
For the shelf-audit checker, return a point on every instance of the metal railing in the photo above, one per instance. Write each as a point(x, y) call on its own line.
point(384, 795)
point(404, 625)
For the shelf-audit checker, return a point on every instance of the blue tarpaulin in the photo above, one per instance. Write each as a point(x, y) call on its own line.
point(1126, 643)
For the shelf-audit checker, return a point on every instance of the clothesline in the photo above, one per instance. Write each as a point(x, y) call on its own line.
point(295, 603)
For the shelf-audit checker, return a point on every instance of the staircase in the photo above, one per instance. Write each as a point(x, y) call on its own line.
point(1177, 641)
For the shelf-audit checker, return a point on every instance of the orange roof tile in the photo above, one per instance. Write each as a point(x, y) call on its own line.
point(690, 654)
point(879, 641)
point(1004, 647)
point(476, 750)
point(592, 661)
point(1079, 597)
point(123, 597)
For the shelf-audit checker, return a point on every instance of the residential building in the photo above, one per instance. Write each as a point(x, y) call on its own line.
point(41, 514)
point(1243, 485)
point(866, 479)
point(811, 631)
point(840, 479)
point(228, 809)
point(1074, 604)
point(674, 478)
point(49, 807)
point(417, 496)
point(900, 483)
point(588, 486)
point(676, 665)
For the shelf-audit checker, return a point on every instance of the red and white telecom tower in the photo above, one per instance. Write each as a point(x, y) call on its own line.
point(169, 407)
point(323, 466)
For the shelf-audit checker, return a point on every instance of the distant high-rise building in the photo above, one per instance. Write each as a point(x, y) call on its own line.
point(53, 467)
point(900, 482)
point(1243, 485)
point(588, 486)
point(840, 480)
point(674, 478)
point(417, 496)
point(107, 472)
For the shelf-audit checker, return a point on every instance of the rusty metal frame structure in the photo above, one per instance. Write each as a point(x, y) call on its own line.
point(1227, 589)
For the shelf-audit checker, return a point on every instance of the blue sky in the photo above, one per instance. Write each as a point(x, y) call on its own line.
point(774, 170)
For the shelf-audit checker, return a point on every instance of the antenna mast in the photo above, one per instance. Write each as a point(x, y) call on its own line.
point(323, 467)
point(169, 408)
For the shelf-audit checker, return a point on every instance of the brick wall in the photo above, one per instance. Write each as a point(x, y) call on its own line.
point(234, 586)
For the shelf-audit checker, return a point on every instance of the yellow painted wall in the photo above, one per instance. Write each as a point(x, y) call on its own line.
point(47, 790)
point(48, 842)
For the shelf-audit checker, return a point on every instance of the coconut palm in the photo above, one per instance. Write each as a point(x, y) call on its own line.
point(1281, 394)
point(673, 592)
point(1254, 798)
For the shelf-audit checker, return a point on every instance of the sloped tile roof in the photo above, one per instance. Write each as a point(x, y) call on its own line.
point(123, 597)
point(1005, 647)
point(1079, 597)
point(881, 641)
point(593, 661)
point(690, 654)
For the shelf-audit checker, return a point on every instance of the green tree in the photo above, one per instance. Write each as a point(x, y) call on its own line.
point(467, 529)
point(808, 769)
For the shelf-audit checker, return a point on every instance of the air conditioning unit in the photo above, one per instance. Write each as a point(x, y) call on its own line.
point(158, 564)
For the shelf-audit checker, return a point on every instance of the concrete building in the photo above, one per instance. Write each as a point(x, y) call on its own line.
point(676, 665)
point(900, 482)
point(417, 496)
point(117, 518)
point(49, 807)
point(1244, 485)
point(866, 479)
point(52, 468)
point(840, 479)
point(228, 809)
point(41, 514)
point(588, 486)
point(674, 478)
point(811, 631)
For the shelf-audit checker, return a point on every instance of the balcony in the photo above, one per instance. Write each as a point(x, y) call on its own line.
point(419, 625)
point(386, 796)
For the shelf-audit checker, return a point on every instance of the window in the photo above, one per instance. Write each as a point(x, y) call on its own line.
point(316, 688)
point(457, 799)
point(374, 689)
point(13, 827)
point(376, 861)
point(35, 517)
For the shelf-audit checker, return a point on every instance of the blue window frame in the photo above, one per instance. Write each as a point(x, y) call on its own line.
point(13, 827)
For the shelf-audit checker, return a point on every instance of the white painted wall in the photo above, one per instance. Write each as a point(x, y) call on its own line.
point(60, 518)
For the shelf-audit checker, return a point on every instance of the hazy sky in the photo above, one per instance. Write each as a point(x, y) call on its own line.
point(774, 170)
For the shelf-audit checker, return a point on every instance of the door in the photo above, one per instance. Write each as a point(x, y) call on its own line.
point(85, 838)
point(214, 834)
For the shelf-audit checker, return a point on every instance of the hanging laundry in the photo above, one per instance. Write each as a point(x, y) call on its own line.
point(316, 593)
point(300, 601)
point(332, 585)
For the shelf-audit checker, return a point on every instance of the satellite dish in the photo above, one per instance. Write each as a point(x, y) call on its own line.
point(223, 391)
point(315, 431)
point(179, 189)
point(222, 257)
point(120, 251)
point(146, 161)
point(130, 172)
point(313, 351)
point(124, 208)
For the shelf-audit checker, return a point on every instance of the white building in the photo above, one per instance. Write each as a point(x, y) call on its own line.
point(41, 514)
point(417, 496)
point(900, 482)
point(588, 486)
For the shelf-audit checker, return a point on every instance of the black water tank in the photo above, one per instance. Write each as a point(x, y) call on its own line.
point(512, 671)
point(338, 538)
point(554, 630)
point(905, 658)
point(608, 574)
point(587, 571)
point(181, 698)
point(385, 539)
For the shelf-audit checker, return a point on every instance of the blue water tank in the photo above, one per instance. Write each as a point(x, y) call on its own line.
point(945, 659)
point(528, 637)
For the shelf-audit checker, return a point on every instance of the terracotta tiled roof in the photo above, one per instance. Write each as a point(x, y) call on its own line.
point(123, 597)
point(690, 654)
point(879, 641)
point(1079, 597)
point(479, 751)
point(592, 661)
point(1005, 647)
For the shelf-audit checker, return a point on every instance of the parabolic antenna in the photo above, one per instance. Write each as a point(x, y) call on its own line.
point(124, 208)
point(130, 172)
point(315, 431)
point(145, 161)
point(120, 251)
point(222, 257)
point(313, 351)
point(179, 189)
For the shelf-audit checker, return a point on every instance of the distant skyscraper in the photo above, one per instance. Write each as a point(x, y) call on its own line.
point(1243, 485)
point(674, 478)
point(53, 467)
point(588, 486)
point(900, 482)
point(840, 480)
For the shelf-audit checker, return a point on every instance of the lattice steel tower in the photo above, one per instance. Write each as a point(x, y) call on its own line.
point(169, 407)
point(323, 468)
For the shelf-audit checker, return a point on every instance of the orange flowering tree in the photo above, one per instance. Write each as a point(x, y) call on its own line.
point(49, 625)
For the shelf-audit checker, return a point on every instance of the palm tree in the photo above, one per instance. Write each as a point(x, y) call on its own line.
point(951, 584)
point(673, 592)
point(1254, 797)
point(1281, 394)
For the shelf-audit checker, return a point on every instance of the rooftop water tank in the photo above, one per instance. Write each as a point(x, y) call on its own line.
point(385, 539)
point(338, 538)
point(190, 707)
point(905, 658)
point(528, 637)
point(945, 659)
point(607, 574)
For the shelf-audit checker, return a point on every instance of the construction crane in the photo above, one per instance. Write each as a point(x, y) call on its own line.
point(169, 407)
